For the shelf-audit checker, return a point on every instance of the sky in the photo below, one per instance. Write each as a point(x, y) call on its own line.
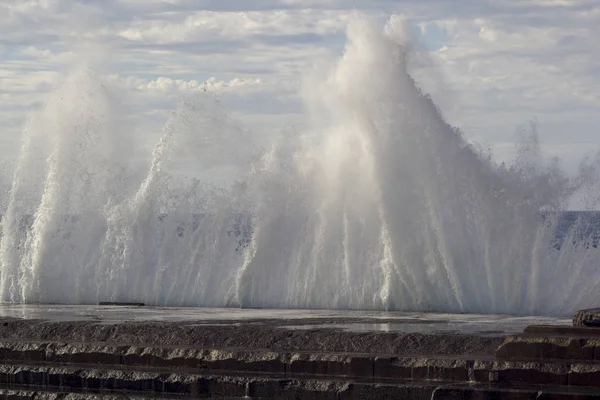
point(493, 65)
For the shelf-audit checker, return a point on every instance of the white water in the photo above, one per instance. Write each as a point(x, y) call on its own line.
point(381, 205)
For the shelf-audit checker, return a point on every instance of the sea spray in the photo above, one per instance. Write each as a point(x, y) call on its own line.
point(379, 204)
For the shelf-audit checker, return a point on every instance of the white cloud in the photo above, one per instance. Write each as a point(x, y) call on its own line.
point(168, 85)
point(507, 72)
point(206, 25)
point(491, 65)
point(38, 81)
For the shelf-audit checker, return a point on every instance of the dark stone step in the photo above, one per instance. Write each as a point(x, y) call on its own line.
point(250, 335)
point(262, 361)
point(44, 393)
point(201, 360)
point(509, 392)
point(385, 370)
point(187, 360)
point(589, 317)
point(116, 381)
point(20, 381)
point(559, 331)
point(554, 347)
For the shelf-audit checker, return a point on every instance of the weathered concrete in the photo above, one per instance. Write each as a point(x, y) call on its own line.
point(588, 318)
point(29, 394)
point(295, 358)
point(562, 330)
point(253, 335)
point(503, 392)
point(529, 347)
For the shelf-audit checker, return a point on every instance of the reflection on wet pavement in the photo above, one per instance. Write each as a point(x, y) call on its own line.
point(357, 321)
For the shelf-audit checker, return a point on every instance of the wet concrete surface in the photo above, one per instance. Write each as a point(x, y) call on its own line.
point(90, 351)
point(352, 321)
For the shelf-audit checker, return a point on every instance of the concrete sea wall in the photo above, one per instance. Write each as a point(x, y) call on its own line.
point(261, 360)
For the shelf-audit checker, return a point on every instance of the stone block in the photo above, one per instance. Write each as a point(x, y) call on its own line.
point(400, 391)
point(482, 393)
point(219, 386)
point(266, 387)
point(571, 395)
point(262, 362)
point(84, 355)
point(176, 384)
point(561, 330)
point(584, 375)
point(22, 351)
point(421, 368)
point(480, 371)
point(589, 318)
point(330, 365)
point(523, 347)
point(530, 372)
point(70, 379)
point(296, 389)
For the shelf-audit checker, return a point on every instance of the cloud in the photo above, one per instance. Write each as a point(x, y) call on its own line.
point(210, 25)
point(491, 65)
point(165, 85)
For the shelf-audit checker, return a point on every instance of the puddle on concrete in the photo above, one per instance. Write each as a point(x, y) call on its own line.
point(499, 327)
point(357, 321)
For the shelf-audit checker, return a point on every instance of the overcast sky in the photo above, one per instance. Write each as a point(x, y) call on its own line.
point(496, 64)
